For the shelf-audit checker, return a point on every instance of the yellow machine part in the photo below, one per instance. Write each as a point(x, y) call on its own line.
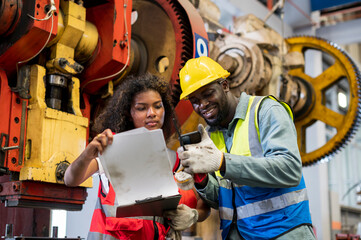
point(54, 138)
point(80, 37)
point(87, 43)
point(76, 38)
point(74, 22)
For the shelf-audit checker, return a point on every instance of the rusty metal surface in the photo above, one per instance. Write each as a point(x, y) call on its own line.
point(244, 59)
point(158, 42)
point(10, 11)
point(25, 221)
point(42, 195)
point(28, 37)
point(5, 104)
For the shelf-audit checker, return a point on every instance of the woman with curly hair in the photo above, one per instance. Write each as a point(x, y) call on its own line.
point(142, 101)
point(123, 99)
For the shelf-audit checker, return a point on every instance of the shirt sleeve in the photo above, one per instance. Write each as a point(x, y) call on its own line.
point(100, 167)
point(281, 164)
point(104, 179)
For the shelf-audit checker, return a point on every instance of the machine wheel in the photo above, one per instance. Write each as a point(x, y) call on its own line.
point(343, 122)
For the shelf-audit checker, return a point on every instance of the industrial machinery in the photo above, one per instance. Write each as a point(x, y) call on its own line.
point(61, 59)
point(262, 62)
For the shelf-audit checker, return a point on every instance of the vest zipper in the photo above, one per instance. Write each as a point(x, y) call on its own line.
point(234, 220)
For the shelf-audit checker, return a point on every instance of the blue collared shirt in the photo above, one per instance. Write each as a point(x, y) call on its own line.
point(280, 166)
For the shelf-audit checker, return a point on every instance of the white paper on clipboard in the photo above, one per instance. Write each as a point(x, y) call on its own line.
point(138, 167)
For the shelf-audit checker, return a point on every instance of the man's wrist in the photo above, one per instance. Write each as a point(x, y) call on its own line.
point(202, 184)
point(223, 164)
point(199, 177)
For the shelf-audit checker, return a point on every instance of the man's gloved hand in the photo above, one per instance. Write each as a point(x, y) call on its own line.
point(184, 180)
point(181, 218)
point(202, 157)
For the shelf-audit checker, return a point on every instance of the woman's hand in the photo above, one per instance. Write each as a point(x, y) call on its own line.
point(98, 144)
point(181, 218)
point(86, 165)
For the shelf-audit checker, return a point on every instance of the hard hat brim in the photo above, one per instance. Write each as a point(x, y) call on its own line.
point(197, 85)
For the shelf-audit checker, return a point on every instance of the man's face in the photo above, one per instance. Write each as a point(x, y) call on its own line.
point(210, 102)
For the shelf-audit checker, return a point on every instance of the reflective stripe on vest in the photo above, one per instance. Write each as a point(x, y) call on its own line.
point(265, 206)
point(254, 217)
point(97, 236)
point(105, 212)
point(110, 211)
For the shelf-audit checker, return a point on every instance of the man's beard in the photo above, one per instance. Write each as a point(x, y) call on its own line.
point(221, 116)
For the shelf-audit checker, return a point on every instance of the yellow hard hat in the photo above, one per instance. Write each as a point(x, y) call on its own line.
point(198, 72)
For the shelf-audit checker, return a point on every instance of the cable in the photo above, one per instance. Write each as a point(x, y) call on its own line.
point(279, 4)
point(128, 52)
point(49, 14)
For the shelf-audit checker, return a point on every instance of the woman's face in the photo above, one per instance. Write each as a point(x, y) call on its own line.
point(147, 110)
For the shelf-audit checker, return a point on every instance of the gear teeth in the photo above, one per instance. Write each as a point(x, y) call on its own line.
point(177, 91)
point(187, 44)
point(357, 118)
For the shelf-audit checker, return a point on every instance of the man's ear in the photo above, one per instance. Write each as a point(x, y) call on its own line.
point(225, 85)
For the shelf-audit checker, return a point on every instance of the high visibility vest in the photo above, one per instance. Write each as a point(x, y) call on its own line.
point(105, 226)
point(259, 213)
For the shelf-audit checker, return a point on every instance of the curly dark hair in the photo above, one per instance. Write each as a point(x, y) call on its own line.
point(116, 116)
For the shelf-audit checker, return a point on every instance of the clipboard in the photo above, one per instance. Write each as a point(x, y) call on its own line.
point(137, 165)
point(149, 207)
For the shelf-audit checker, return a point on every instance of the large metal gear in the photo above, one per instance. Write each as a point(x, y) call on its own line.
point(345, 122)
point(162, 39)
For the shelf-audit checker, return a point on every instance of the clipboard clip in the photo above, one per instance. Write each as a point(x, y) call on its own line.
point(149, 199)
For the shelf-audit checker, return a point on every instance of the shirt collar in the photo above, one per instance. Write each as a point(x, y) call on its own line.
point(242, 106)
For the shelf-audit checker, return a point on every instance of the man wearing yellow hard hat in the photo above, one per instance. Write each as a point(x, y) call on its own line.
point(249, 158)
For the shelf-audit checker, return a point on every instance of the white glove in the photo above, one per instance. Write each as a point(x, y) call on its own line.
point(184, 180)
point(181, 218)
point(202, 157)
point(174, 235)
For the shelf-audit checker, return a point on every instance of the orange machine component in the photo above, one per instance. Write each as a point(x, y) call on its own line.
point(10, 12)
point(21, 38)
point(192, 41)
point(28, 36)
point(112, 20)
point(13, 128)
point(39, 57)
